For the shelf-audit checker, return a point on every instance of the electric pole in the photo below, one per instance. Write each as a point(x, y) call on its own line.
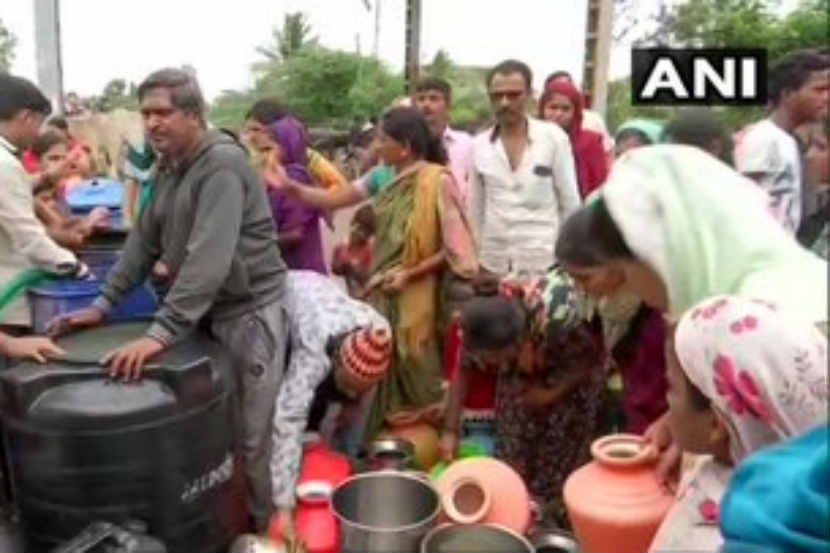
point(48, 51)
point(376, 48)
point(598, 52)
point(413, 44)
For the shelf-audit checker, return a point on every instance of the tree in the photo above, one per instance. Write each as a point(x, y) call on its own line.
point(470, 104)
point(620, 108)
point(441, 65)
point(329, 86)
point(291, 38)
point(321, 86)
point(8, 42)
point(738, 23)
point(117, 93)
point(718, 24)
point(230, 106)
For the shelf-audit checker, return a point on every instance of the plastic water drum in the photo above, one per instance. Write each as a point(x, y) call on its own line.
point(64, 296)
point(85, 448)
point(102, 250)
point(98, 192)
point(99, 260)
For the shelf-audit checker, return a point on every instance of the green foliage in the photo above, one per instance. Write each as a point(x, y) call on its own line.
point(442, 66)
point(805, 27)
point(291, 38)
point(717, 23)
point(328, 86)
point(724, 23)
point(321, 86)
point(8, 42)
point(470, 104)
point(620, 109)
point(116, 94)
point(229, 108)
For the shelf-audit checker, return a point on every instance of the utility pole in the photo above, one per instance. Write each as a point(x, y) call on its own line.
point(376, 48)
point(413, 44)
point(48, 51)
point(598, 52)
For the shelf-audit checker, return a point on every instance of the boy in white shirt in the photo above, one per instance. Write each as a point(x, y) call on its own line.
point(799, 91)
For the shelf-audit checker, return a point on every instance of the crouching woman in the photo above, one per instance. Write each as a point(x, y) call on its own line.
point(340, 349)
point(540, 337)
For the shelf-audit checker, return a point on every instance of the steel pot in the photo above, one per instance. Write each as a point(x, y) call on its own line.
point(250, 543)
point(481, 538)
point(384, 512)
point(554, 540)
point(391, 453)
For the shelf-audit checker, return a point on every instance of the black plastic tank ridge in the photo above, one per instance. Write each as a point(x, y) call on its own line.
point(82, 447)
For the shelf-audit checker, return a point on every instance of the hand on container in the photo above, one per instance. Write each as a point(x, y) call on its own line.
point(669, 455)
point(448, 446)
point(36, 348)
point(98, 218)
point(83, 318)
point(282, 525)
point(128, 361)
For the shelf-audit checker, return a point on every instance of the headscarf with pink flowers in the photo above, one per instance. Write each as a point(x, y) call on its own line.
point(764, 371)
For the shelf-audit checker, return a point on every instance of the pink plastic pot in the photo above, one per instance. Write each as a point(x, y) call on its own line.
point(485, 490)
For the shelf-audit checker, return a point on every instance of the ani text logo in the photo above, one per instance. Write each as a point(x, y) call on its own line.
point(665, 76)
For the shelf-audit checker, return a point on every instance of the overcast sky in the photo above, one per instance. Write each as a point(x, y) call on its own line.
point(106, 39)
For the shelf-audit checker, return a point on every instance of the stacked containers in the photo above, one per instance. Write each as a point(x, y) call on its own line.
point(98, 192)
point(59, 297)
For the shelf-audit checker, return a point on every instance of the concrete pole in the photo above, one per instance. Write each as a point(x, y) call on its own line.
point(413, 44)
point(376, 48)
point(602, 55)
point(48, 51)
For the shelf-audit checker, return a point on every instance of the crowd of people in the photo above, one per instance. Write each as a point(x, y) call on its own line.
point(669, 280)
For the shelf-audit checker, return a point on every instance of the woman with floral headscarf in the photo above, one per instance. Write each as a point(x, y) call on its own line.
point(540, 338)
point(674, 226)
point(743, 375)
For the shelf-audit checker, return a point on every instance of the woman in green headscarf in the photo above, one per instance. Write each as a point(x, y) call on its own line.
point(674, 226)
point(637, 132)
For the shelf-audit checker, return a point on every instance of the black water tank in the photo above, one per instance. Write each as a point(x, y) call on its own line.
point(83, 448)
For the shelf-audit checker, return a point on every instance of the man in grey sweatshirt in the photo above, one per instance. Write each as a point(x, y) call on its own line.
point(208, 234)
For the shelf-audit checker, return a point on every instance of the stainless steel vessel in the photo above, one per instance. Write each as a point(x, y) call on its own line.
point(481, 538)
point(384, 512)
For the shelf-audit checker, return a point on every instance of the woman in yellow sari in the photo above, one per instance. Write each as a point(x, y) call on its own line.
point(422, 240)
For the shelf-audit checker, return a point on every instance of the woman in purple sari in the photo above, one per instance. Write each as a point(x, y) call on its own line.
point(298, 225)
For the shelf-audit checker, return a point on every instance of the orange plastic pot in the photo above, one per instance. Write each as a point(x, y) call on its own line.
point(425, 439)
point(616, 503)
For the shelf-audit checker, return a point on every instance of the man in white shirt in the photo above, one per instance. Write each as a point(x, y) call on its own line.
point(524, 180)
point(768, 153)
point(24, 243)
point(433, 98)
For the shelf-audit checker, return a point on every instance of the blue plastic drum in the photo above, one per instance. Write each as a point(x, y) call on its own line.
point(99, 192)
point(64, 296)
